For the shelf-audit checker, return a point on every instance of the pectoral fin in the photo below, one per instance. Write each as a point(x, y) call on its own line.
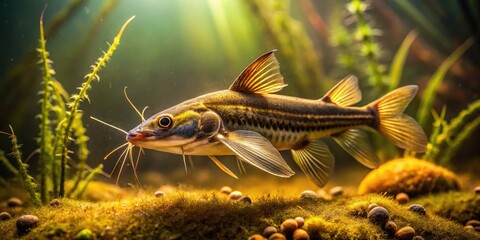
point(223, 167)
point(355, 142)
point(316, 161)
point(253, 148)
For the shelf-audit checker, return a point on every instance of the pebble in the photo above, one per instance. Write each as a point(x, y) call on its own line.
point(308, 195)
point(418, 209)
point(336, 191)
point(418, 238)
point(268, 231)
point(226, 190)
point(14, 202)
point(25, 223)
point(473, 223)
point(477, 189)
point(235, 195)
point(321, 193)
point(391, 228)
point(256, 237)
point(4, 216)
point(402, 198)
point(85, 234)
point(245, 199)
point(371, 206)
point(300, 234)
point(300, 221)
point(288, 227)
point(277, 236)
point(405, 233)
point(378, 216)
point(159, 194)
point(469, 227)
point(55, 202)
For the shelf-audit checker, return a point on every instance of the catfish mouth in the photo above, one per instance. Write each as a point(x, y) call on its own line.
point(135, 136)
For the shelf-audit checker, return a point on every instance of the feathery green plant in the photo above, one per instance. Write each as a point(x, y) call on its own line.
point(58, 126)
point(76, 99)
point(369, 48)
point(448, 137)
point(27, 180)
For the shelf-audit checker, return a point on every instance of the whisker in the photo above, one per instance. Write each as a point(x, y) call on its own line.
point(184, 160)
point(108, 124)
point(133, 106)
point(130, 154)
point(114, 150)
point(127, 151)
point(118, 160)
point(143, 112)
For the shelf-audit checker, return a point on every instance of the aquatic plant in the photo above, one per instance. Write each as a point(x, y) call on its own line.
point(60, 123)
point(436, 79)
point(27, 180)
point(446, 138)
point(295, 44)
point(370, 50)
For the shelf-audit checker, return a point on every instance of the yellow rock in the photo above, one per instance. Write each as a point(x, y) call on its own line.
point(409, 175)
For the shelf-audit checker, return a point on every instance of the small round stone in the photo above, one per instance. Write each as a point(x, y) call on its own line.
point(418, 209)
point(288, 227)
point(336, 191)
point(418, 237)
point(235, 195)
point(85, 234)
point(5, 216)
point(371, 206)
point(469, 227)
point(300, 234)
point(391, 228)
point(473, 223)
point(405, 233)
point(308, 195)
point(226, 190)
point(245, 199)
point(402, 198)
point(477, 189)
point(256, 237)
point(14, 202)
point(268, 231)
point(25, 223)
point(300, 221)
point(55, 202)
point(159, 194)
point(277, 236)
point(378, 216)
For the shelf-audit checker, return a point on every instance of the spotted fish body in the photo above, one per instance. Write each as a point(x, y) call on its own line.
point(251, 122)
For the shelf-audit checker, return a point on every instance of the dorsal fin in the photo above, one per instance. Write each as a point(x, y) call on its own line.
point(345, 93)
point(262, 76)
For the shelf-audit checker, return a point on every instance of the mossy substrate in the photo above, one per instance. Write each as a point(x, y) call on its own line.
point(207, 214)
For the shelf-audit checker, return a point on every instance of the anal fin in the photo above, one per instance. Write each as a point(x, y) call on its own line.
point(316, 161)
point(223, 167)
point(355, 142)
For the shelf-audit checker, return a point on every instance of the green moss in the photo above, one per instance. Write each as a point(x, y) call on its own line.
point(208, 215)
point(458, 206)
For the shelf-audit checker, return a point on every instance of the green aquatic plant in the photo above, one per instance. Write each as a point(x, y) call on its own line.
point(60, 122)
point(27, 180)
point(436, 79)
point(370, 49)
point(76, 99)
point(447, 138)
point(295, 44)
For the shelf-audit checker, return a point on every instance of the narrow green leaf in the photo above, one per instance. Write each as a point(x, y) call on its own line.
point(398, 62)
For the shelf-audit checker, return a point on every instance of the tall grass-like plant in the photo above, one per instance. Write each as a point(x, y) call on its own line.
point(76, 99)
point(436, 79)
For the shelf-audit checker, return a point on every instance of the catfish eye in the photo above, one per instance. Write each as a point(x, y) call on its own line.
point(165, 122)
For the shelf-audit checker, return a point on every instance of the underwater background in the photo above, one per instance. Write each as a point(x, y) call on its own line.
point(176, 50)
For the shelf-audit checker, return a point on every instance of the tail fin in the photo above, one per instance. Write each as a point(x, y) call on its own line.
point(399, 128)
